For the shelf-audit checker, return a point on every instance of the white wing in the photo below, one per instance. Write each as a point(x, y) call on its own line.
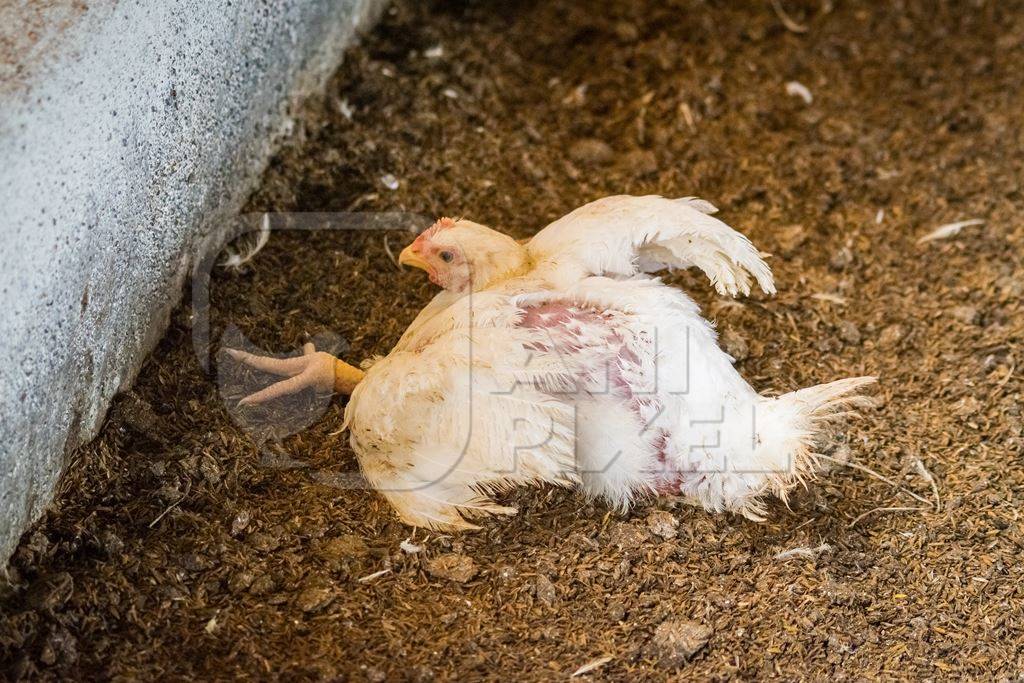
point(623, 235)
point(458, 416)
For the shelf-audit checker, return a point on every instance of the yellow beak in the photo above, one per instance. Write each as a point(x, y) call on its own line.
point(410, 258)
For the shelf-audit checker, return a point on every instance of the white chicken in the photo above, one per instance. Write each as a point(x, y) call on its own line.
point(562, 361)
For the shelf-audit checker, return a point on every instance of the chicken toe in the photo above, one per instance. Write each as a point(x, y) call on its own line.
point(312, 370)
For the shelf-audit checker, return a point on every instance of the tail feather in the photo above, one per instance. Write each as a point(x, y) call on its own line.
point(823, 400)
point(787, 437)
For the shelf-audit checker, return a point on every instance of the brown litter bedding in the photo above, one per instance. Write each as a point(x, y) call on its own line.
point(188, 542)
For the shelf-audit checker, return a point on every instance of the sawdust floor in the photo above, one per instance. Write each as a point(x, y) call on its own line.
point(190, 542)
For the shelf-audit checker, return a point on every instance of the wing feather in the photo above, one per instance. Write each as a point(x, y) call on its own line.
point(460, 414)
point(624, 235)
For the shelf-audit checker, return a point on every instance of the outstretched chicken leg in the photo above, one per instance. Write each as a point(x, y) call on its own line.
point(312, 370)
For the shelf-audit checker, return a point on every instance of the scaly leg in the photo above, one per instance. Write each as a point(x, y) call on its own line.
point(313, 369)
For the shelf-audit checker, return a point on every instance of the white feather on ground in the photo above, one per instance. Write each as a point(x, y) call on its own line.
point(590, 666)
point(237, 260)
point(803, 553)
point(409, 547)
point(949, 230)
point(798, 89)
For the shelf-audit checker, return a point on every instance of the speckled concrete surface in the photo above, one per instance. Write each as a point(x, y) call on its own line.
point(128, 132)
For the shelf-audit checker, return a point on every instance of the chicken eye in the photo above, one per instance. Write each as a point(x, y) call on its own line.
point(447, 256)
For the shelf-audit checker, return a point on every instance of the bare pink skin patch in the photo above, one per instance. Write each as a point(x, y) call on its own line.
point(566, 325)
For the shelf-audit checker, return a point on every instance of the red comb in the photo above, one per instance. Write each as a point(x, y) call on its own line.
point(439, 224)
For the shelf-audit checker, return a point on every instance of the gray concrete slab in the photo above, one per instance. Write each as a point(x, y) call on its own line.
point(128, 131)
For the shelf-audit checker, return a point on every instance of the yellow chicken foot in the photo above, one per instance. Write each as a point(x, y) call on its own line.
point(313, 369)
